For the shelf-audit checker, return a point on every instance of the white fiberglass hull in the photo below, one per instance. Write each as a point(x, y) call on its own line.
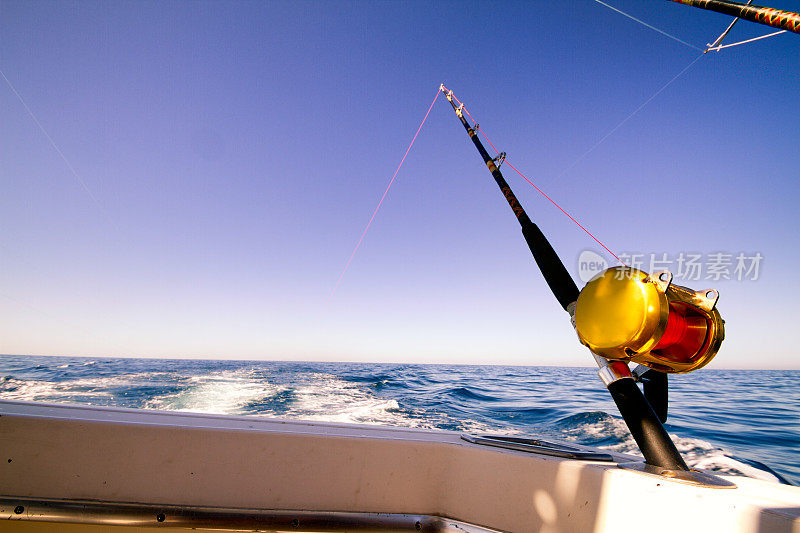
point(66, 468)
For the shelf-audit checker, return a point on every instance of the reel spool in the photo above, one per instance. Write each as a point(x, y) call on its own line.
point(626, 314)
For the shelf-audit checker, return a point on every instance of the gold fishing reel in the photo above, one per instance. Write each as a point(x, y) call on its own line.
point(629, 315)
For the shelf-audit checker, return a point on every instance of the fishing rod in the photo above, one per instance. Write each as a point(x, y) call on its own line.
point(553, 270)
point(625, 315)
point(785, 20)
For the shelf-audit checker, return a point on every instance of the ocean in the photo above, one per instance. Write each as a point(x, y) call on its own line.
point(738, 422)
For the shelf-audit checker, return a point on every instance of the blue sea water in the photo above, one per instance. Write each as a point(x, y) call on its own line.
point(730, 421)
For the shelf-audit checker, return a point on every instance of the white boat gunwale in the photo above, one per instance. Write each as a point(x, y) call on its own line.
point(65, 454)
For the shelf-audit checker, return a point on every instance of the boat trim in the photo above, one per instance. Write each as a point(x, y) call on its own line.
point(227, 519)
point(537, 446)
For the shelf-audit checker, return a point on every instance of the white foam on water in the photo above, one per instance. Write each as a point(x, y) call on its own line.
point(697, 453)
point(604, 426)
point(48, 391)
point(701, 455)
point(226, 392)
point(330, 399)
point(705, 456)
point(321, 397)
point(82, 390)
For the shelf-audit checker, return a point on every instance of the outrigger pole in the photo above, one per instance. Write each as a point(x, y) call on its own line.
point(785, 20)
point(643, 423)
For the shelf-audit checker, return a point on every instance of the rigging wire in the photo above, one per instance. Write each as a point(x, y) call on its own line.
point(722, 36)
point(391, 181)
point(718, 48)
point(717, 45)
point(662, 32)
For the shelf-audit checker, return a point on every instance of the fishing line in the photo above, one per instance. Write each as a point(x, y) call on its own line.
point(568, 215)
point(626, 119)
point(483, 133)
point(662, 32)
point(58, 150)
point(581, 226)
point(590, 150)
point(391, 181)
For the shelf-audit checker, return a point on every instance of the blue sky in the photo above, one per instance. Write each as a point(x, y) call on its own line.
point(234, 151)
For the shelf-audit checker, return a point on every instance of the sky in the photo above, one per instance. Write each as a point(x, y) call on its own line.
point(221, 160)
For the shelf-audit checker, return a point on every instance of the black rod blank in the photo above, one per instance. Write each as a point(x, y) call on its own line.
point(555, 274)
point(645, 426)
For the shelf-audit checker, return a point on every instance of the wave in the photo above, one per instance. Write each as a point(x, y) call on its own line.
point(470, 394)
point(368, 378)
point(594, 427)
point(278, 404)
